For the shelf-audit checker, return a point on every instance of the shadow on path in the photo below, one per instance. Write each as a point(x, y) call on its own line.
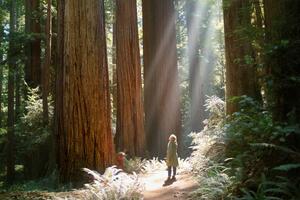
point(169, 182)
point(157, 187)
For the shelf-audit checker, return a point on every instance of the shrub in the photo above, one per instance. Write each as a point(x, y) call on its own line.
point(114, 184)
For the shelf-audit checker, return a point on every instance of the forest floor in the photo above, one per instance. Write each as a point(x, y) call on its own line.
point(155, 189)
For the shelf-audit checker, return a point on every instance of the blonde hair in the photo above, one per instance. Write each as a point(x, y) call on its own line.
point(172, 136)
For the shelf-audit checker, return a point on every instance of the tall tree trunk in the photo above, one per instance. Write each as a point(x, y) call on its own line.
point(18, 80)
point(130, 134)
point(10, 155)
point(33, 47)
point(282, 31)
point(84, 134)
point(162, 103)
point(1, 73)
point(240, 76)
point(197, 82)
point(47, 64)
point(114, 75)
point(59, 73)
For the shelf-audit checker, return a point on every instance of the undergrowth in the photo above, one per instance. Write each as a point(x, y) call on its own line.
point(114, 184)
point(246, 155)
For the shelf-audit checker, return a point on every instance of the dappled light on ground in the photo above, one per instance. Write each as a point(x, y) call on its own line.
point(179, 189)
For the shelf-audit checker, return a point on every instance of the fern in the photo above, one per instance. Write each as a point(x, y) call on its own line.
point(287, 167)
point(114, 184)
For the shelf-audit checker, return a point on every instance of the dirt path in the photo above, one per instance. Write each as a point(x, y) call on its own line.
point(179, 190)
point(154, 189)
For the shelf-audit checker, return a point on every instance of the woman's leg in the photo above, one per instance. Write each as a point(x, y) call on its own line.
point(169, 171)
point(174, 171)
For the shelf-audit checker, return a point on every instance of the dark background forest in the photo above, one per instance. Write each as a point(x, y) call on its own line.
point(81, 81)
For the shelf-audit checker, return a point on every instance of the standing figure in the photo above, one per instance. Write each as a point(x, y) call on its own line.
point(121, 160)
point(172, 157)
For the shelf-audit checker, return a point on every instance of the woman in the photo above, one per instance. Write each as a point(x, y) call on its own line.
point(172, 157)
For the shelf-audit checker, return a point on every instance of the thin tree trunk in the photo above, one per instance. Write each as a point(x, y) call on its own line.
point(18, 79)
point(47, 64)
point(10, 154)
point(33, 47)
point(84, 137)
point(59, 74)
point(130, 121)
point(1, 74)
point(114, 71)
point(162, 103)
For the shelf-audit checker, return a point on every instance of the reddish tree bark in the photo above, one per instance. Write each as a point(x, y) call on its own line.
point(240, 76)
point(130, 135)
point(83, 115)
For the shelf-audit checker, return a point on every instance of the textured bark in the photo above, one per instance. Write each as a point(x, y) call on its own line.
point(10, 154)
point(282, 24)
point(33, 47)
point(240, 76)
point(59, 73)
point(130, 135)
point(84, 134)
point(47, 64)
point(162, 103)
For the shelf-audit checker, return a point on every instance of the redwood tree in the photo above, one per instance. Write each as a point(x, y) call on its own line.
point(47, 63)
point(83, 115)
point(10, 154)
point(33, 46)
point(130, 135)
point(162, 104)
point(282, 59)
point(240, 75)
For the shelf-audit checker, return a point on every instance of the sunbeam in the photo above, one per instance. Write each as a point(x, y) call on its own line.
point(201, 51)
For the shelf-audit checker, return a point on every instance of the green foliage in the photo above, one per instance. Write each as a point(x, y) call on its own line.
point(214, 183)
point(48, 183)
point(207, 158)
point(31, 128)
point(135, 165)
point(280, 189)
point(259, 146)
point(258, 154)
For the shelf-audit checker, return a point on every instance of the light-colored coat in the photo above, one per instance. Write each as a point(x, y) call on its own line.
point(172, 157)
